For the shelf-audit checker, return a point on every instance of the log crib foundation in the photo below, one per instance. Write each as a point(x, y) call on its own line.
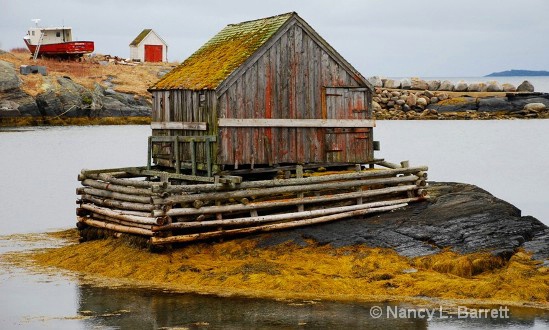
point(166, 208)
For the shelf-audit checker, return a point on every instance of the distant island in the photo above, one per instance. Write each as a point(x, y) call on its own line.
point(518, 73)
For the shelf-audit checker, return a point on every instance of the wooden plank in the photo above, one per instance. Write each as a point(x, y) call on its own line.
point(286, 123)
point(195, 126)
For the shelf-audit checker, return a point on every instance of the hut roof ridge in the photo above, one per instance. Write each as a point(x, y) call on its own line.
point(210, 65)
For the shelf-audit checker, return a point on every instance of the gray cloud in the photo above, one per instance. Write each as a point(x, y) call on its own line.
point(391, 38)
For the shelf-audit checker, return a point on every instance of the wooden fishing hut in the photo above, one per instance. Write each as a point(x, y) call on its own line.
point(262, 93)
point(265, 127)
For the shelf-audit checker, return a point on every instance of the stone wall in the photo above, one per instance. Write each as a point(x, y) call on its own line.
point(419, 99)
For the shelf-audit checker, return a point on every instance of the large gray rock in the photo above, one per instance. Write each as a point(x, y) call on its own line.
point(17, 100)
point(375, 81)
point(49, 104)
point(474, 87)
point(446, 86)
point(495, 104)
point(74, 98)
point(525, 86)
point(456, 105)
point(419, 84)
point(535, 107)
point(434, 85)
point(460, 217)
point(509, 88)
point(8, 77)
point(494, 86)
point(461, 86)
point(519, 101)
point(391, 83)
point(405, 83)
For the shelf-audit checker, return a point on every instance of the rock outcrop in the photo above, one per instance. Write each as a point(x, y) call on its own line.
point(62, 97)
point(458, 216)
point(8, 77)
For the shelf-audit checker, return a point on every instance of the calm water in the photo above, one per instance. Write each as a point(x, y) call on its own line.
point(38, 171)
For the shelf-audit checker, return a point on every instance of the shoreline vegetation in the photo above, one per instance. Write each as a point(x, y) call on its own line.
point(106, 91)
point(78, 121)
point(291, 272)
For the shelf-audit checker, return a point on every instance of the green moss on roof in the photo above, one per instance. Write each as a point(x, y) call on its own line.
point(209, 66)
point(140, 37)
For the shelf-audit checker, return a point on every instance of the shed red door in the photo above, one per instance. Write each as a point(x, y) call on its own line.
point(153, 53)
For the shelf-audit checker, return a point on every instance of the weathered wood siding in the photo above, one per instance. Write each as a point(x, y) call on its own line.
point(183, 106)
point(288, 82)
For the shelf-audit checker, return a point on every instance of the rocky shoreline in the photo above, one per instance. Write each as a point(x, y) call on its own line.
point(62, 97)
point(418, 99)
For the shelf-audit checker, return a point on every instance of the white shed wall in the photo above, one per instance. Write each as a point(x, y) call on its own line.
point(151, 39)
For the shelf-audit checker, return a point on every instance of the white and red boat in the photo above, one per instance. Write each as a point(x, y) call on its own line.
point(56, 42)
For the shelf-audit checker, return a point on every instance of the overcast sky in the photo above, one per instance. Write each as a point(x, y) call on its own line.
point(427, 38)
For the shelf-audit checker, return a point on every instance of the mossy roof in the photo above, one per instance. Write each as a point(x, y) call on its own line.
point(140, 37)
point(214, 62)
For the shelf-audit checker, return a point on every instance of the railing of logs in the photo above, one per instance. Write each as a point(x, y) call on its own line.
point(145, 202)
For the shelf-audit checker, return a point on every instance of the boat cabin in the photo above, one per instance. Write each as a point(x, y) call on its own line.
point(52, 35)
point(262, 93)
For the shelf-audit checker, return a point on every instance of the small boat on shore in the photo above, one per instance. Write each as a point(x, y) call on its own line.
point(56, 42)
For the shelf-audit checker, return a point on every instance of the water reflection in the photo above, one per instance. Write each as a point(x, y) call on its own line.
point(150, 309)
point(146, 309)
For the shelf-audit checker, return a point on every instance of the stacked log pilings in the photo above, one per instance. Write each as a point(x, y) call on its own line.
point(166, 209)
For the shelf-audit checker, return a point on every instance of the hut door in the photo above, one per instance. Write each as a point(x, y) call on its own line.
point(349, 144)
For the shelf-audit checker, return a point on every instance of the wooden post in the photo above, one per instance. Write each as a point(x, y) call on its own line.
point(219, 215)
point(149, 153)
point(208, 157)
point(177, 156)
point(193, 157)
point(299, 175)
point(359, 200)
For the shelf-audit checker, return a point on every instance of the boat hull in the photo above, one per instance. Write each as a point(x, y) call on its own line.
point(64, 48)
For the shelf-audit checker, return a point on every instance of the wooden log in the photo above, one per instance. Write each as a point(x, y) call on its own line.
point(117, 188)
point(113, 195)
point(422, 175)
point(116, 227)
point(211, 187)
point(421, 183)
point(96, 216)
point(220, 209)
point(86, 172)
point(389, 164)
point(289, 189)
point(282, 217)
point(120, 215)
point(108, 177)
point(269, 227)
point(119, 204)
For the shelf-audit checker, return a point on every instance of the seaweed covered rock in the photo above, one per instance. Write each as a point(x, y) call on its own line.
point(458, 216)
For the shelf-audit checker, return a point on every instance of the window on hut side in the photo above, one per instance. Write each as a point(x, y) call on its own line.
point(58, 34)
